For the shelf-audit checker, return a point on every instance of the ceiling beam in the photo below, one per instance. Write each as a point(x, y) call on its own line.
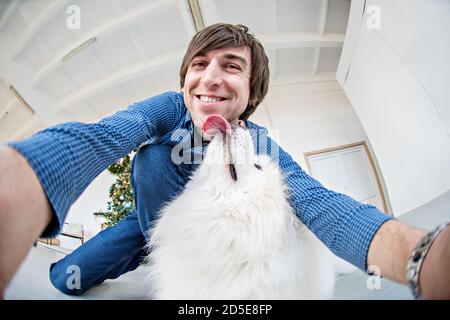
point(316, 60)
point(302, 40)
point(296, 88)
point(322, 27)
point(45, 17)
point(323, 17)
point(119, 77)
point(101, 31)
point(130, 33)
point(302, 78)
point(272, 54)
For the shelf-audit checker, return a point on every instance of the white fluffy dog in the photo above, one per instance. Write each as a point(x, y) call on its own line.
point(232, 234)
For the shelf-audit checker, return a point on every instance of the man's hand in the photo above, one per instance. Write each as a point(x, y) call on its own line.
point(391, 248)
point(24, 212)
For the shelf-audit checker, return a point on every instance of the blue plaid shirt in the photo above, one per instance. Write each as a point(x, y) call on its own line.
point(67, 157)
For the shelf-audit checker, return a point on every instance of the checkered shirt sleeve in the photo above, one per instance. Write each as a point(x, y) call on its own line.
point(67, 157)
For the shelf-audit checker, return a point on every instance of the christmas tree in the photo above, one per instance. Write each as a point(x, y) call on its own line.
point(120, 193)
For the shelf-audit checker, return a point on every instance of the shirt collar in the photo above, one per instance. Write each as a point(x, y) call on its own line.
point(187, 122)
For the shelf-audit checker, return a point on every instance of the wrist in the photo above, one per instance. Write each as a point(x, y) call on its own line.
point(391, 247)
point(409, 237)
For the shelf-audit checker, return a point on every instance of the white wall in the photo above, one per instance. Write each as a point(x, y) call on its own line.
point(397, 78)
point(309, 117)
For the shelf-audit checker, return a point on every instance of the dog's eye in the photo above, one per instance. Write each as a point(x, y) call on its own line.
point(233, 172)
point(257, 166)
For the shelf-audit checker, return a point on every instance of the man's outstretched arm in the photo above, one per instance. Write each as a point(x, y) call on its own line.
point(357, 232)
point(42, 176)
point(24, 212)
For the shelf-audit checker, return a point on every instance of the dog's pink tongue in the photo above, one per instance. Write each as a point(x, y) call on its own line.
point(215, 123)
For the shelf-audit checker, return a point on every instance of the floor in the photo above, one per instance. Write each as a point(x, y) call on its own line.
point(32, 282)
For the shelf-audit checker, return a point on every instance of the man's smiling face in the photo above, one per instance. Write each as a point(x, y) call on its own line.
point(218, 83)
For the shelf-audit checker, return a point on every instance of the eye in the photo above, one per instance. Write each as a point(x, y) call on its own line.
point(233, 66)
point(257, 166)
point(233, 172)
point(199, 64)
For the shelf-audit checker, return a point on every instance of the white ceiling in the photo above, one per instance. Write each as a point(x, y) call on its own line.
point(135, 51)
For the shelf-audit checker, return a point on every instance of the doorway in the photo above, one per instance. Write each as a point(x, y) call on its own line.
point(350, 170)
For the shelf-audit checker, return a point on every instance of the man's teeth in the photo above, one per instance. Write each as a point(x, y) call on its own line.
point(210, 99)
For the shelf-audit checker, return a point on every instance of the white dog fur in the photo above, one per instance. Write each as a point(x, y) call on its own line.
point(226, 239)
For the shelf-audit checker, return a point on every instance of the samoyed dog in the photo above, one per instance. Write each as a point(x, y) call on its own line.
point(231, 234)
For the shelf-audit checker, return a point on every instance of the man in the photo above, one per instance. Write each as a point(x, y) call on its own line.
point(224, 71)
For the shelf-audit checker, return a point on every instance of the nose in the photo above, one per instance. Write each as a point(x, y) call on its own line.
point(212, 76)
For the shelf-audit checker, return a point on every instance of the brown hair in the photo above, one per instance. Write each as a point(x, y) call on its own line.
point(222, 35)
